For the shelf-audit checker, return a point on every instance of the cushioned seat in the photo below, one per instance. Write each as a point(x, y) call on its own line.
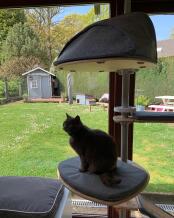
point(133, 180)
point(33, 197)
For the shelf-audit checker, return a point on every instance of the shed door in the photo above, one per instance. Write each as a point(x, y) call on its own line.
point(46, 87)
point(35, 87)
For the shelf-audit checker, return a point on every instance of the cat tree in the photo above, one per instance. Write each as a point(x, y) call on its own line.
point(122, 45)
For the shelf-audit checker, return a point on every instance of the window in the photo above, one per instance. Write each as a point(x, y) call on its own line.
point(34, 84)
point(153, 142)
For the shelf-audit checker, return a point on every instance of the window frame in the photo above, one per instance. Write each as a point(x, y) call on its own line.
point(34, 84)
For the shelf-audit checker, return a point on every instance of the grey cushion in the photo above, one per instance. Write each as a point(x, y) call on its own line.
point(133, 180)
point(22, 197)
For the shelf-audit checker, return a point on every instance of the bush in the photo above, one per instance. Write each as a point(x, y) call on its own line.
point(142, 100)
point(13, 88)
point(158, 80)
point(92, 83)
point(25, 97)
point(1, 89)
point(2, 101)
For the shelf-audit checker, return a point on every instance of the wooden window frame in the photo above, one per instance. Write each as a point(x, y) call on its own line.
point(148, 6)
point(116, 8)
point(35, 82)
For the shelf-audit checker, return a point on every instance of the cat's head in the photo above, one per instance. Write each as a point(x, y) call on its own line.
point(72, 124)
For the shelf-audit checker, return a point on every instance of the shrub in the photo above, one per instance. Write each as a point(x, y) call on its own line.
point(25, 97)
point(1, 89)
point(92, 83)
point(142, 100)
point(13, 88)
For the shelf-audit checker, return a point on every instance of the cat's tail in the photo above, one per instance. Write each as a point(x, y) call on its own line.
point(110, 178)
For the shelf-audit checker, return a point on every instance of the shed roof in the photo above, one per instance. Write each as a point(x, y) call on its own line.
point(35, 69)
point(165, 48)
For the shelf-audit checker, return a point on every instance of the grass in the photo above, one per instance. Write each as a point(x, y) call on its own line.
point(154, 149)
point(32, 141)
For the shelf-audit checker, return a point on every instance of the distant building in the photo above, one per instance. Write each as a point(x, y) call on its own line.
point(85, 99)
point(39, 83)
point(165, 48)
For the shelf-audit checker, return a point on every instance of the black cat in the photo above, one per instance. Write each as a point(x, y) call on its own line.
point(96, 149)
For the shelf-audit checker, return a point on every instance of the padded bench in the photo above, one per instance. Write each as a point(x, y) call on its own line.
point(25, 197)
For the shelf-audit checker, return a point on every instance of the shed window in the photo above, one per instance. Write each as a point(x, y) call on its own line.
point(34, 84)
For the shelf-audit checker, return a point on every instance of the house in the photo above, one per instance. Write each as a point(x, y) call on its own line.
point(85, 99)
point(165, 48)
point(40, 83)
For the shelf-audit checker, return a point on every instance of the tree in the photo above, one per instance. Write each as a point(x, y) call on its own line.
point(172, 33)
point(90, 17)
point(7, 19)
point(21, 41)
point(42, 20)
point(74, 23)
point(14, 68)
point(66, 29)
point(160, 74)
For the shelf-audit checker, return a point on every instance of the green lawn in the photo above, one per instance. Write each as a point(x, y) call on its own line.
point(154, 150)
point(32, 141)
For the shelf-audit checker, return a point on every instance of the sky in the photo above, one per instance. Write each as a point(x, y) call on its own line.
point(163, 23)
point(74, 9)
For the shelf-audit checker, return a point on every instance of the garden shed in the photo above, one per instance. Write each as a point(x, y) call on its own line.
point(39, 83)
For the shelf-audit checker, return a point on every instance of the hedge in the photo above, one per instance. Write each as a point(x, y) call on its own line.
point(95, 83)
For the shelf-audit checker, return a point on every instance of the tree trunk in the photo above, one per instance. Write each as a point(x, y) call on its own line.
point(20, 89)
point(6, 88)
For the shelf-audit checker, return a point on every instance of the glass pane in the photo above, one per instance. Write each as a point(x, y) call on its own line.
point(153, 143)
point(31, 39)
point(32, 141)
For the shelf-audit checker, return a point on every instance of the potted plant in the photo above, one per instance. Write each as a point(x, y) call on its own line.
point(142, 101)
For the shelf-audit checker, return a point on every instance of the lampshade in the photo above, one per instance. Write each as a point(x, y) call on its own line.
point(123, 42)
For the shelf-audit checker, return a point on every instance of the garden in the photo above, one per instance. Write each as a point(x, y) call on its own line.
point(32, 141)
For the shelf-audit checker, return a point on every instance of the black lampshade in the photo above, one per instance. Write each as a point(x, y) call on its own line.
point(123, 42)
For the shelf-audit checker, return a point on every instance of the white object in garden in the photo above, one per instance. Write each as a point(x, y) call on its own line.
point(69, 88)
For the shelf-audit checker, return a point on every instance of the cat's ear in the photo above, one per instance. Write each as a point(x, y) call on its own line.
point(68, 116)
point(77, 118)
